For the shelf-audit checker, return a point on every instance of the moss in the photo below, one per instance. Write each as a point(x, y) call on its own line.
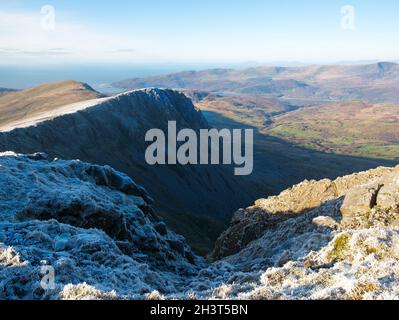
point(274, 278)
point(370, 250)
point(341, 246)
point(362, 288)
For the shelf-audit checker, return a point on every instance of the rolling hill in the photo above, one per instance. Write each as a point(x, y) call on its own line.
point(40, 101)
point(374, 82)
point(342, 109)
point(355, 128)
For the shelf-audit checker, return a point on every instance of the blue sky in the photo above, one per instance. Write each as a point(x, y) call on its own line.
point(178, 31)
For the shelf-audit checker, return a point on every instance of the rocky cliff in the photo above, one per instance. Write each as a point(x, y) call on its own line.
point(357, 199)
point(111, 131)
point(319, 240)
point(96, 228)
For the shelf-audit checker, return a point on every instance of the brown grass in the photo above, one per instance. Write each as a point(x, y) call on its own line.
point(25, 104)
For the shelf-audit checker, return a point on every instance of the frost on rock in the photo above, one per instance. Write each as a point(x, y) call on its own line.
point(93, 225)
point(318, 240)
point(95, 228)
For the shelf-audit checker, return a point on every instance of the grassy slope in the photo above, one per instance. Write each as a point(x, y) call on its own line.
point(353, 128)
point(347, 128)
point(20, 105)
point(279, 164)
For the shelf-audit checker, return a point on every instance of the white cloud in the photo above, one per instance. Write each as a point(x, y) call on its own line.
point(23, 40)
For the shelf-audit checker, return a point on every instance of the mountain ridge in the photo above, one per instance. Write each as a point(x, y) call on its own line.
point(314, 82)
point(112, 132)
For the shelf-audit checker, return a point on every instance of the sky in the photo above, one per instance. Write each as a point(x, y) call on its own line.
point(49, 32)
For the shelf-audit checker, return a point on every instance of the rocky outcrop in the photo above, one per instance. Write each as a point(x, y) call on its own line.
point(90, 223)
point(319, 240)
point(358, 196)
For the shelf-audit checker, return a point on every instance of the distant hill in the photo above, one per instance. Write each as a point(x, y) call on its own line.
point(376, 82)
point(342, 109)
point(20, 106)
point(4, 91)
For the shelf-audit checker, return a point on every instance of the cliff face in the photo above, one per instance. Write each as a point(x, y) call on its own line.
point(111, 131)
point(96, 228)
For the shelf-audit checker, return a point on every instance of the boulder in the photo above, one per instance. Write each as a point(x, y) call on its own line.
point(358, 203)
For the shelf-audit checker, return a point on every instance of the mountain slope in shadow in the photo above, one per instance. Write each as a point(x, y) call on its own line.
point(195, 200)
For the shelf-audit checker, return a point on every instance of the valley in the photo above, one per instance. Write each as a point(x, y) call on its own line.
point(342, 110)
point(354, 128)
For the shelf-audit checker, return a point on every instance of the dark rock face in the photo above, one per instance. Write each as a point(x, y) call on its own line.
point(250, 224)
point(246, 226)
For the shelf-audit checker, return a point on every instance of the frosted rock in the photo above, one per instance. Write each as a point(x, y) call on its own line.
point(92, 224)
point(95, 228)
point(325, 222)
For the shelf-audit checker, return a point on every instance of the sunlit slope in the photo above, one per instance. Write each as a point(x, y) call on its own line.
point(22, 106)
